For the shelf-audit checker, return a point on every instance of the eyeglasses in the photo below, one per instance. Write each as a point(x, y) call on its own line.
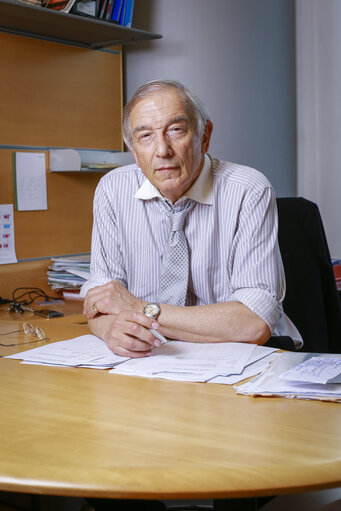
point(30, 330)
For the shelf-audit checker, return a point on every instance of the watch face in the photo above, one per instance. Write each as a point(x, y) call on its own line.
point(152, 310)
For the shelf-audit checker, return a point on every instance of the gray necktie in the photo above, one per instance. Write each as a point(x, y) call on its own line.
point(175, 263)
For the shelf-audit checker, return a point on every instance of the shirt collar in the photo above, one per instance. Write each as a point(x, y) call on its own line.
point(200, 191)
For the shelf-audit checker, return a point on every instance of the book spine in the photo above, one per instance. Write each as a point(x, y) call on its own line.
point(116, 12)
point(128, 17)
point(108, 10)
point(123, 10)
point(103, 9)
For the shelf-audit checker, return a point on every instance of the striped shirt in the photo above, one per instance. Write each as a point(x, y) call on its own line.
point(231, 234)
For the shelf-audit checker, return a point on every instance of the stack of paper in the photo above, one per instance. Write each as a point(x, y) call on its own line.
point(83, 351)
point(68, 272)
point(185, 361)
point(176, 360)
point(299, 375)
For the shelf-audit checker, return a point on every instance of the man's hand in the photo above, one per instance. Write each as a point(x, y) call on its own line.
point(111, 298)
point(127, 334)
point(115, 315)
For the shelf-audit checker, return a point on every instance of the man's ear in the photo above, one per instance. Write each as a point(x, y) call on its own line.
point(205, 142)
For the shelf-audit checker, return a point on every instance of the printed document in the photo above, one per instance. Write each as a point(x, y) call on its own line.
point(83, 351)
point(175, 360)
point(7, 241)
point(272, 383)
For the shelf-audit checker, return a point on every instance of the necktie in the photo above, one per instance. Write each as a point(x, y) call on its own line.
point(175, 263)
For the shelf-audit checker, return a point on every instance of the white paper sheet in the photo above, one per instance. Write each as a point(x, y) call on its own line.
point(175, 360)
point(314, 370)
point(188, 361)
point(30, 181)
point(270, 382)
point(7, 240)
point(250, 370)
point(86, 350)
point(166, 367)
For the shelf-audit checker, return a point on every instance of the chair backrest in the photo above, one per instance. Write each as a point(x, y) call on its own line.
point(312, 301)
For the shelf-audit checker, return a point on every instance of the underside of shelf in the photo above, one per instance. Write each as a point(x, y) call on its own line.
point(35, 21)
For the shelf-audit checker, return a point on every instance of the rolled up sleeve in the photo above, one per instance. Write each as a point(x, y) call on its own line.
point(257, 274)
point(106, 257)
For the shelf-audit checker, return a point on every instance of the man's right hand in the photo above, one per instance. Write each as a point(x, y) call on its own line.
point(127, 333)
point(110, 298)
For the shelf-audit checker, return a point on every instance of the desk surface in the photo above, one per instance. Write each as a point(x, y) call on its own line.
point(84, 432)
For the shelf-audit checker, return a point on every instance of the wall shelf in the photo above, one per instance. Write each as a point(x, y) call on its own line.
point(34, 21)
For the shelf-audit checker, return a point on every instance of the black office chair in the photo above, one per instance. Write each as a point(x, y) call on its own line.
point(312, 301)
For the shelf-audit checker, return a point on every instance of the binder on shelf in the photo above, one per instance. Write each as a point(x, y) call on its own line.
point(123, 10)
point(128, 16)
point(102, 10)
point(108, 11)
point(116, 12)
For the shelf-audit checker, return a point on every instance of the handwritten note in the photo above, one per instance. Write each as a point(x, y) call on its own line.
point(30, 181)
point(314, 370)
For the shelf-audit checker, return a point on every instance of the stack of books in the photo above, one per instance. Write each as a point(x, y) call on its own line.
point(68, 274)
point(118, 11)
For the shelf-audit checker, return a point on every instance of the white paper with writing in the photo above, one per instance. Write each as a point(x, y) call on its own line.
point(30, 181)
point(7, 240)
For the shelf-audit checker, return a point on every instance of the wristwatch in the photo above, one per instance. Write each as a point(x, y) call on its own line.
point(152, 310)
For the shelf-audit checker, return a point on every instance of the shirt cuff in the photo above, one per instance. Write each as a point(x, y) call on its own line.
point(89, 284)
point(261, 302)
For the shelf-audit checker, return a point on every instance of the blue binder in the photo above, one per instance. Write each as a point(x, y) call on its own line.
point(116, 12)
point(123, 10)
point(128, 17)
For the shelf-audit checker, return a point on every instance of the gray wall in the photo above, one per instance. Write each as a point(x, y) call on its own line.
point(239, 56)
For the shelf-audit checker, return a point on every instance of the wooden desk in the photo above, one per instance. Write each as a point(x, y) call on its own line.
point(72, 310)
point(84, 432)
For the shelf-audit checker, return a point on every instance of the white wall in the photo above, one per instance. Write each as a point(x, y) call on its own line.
point(319, 110)
point(239, 56)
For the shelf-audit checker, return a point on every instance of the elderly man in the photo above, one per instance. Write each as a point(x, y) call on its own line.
point(183, 244)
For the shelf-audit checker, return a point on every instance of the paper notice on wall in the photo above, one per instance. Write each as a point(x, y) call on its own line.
point(7, 241)
point(30, 181)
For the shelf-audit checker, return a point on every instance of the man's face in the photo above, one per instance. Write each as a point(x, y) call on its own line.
point(165, 144)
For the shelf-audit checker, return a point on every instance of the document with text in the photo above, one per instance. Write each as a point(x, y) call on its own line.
point(176, 360)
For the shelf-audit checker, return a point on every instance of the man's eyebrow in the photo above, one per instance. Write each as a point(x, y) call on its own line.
point(179, 118)
point(141, 128)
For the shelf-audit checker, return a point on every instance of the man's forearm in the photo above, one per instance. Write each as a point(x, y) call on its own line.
point(100, 325)
point(220, 322)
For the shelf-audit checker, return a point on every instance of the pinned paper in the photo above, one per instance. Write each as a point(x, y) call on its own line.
point(7, 243)
point(30, 181)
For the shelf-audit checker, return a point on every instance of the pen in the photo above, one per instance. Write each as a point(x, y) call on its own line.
point(158, 335)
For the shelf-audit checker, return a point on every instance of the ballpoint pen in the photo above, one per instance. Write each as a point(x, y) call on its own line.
point(158, 335)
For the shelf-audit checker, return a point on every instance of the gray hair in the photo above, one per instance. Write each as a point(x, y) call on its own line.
point(194, 106)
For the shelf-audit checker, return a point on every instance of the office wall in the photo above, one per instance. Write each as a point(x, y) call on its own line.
point(239, 56)
point(48, 98)
point(319, 107)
